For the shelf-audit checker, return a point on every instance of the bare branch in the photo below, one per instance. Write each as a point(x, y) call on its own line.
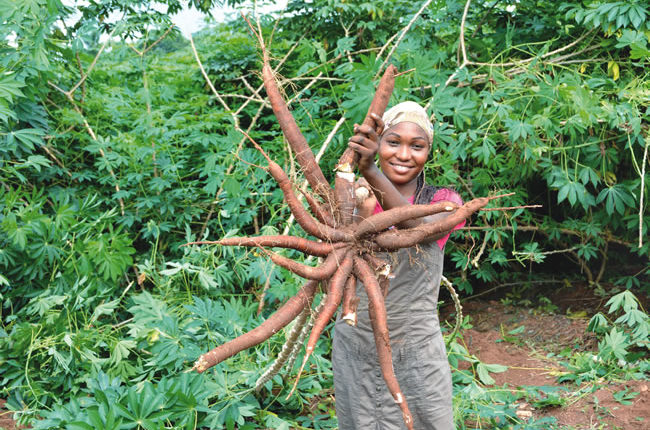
point(92, 65)
point(528, 60)
point(402, 34)
point(93, 136)
point(158, 40)
point(209, 82)
point(643, 163)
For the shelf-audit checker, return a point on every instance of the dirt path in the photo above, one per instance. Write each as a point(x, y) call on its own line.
point(526, 354)
point(6, 423)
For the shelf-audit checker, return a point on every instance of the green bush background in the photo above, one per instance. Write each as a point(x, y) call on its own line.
point(114, 152)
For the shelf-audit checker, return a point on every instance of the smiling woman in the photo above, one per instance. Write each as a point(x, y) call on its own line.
point(401, 141)
point(402, 155)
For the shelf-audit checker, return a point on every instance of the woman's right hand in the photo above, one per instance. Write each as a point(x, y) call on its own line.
point(365, 142)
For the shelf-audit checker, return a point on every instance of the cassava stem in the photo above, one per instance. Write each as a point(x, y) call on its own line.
point(287, 348)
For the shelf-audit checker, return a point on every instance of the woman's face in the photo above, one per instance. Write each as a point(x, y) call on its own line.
point(403, 150)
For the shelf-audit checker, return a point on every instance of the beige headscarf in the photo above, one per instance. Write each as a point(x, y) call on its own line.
point(411, 112)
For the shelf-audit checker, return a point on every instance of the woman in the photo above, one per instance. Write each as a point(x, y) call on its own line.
point(402, 141)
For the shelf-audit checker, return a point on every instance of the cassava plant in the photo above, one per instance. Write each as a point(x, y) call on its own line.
point(348, 247)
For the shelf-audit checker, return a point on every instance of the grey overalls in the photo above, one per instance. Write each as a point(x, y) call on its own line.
point(362, 400)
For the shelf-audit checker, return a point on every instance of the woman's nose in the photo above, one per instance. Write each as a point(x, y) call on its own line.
point(403, 152)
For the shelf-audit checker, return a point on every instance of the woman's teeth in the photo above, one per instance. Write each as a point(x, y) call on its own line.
point(400, 169)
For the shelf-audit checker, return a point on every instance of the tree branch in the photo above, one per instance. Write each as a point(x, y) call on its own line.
point(399, 40)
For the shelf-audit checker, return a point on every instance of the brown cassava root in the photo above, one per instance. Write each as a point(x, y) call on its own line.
point(347, 246)
point(276, 322)
point(379, 323)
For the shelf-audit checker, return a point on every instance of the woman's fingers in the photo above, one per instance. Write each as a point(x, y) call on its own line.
point(366, 130)
point(366, 145)
point(365, 141)
point(362, 150)
point(379, 123)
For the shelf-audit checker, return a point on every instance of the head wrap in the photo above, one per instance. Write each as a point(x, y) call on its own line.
point(411, 112)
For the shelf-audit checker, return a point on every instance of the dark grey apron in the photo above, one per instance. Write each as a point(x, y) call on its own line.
point(362, 400)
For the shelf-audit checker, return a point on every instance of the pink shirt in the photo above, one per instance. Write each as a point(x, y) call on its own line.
point(441, 194)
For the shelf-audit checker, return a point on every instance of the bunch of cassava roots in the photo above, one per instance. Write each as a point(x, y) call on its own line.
point(347, 247)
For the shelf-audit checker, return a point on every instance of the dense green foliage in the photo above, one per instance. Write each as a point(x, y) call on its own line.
point(101, 185)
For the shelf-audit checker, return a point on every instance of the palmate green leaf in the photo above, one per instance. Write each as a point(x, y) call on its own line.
point(518, 129)
point(10, 88)
point(615, 344)
point(575, 192)
point(6, 113)
point(29, 137)
point(36, 162)
point(232, 186)
point(597, 323)
point(274, 422)
point(17, 234)
point(144, 408)
point(483, 371)
point(587, 175)
point(205, 309)
point(631, 38)
point(42, 304)
point(638, 51)
point(624, 300)
point(121, 350)
point(111, 254)
point(632, 318)
point(486, 151)
point(587, 251)
point(616, 197)
point(207, 280)
point(60, 359)
point(104, 417)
